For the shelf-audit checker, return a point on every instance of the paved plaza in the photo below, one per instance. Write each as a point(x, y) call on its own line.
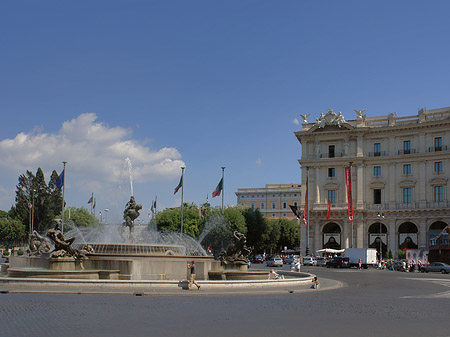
point(350, 303)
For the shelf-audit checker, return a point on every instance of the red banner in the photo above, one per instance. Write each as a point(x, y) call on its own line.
point(329, 209)
point(305, 211)
point(348, 181)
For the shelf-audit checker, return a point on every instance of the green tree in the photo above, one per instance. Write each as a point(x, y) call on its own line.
point(12, 232)
point(79, 217)
point(35, 201)
point(271, 235)
point(256, 226)
point(170, 220)
point(289, 235)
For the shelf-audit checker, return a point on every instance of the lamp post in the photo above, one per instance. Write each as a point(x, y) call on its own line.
point(32, 212)
point(106, 215)
point(101, 219)
point(351, 222)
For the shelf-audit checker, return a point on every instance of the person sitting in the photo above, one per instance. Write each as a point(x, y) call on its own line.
point(316, 284)
point(273, 275)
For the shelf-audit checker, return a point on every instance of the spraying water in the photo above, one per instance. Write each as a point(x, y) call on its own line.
point(128, 161)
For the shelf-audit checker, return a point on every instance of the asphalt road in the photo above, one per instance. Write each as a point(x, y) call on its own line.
point(370, 303)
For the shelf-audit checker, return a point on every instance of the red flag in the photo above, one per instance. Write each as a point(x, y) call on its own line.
point(305, 211)
point(329, 209)
point(348, 181)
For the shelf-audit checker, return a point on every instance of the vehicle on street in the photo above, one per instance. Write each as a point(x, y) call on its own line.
point(309, 261)
point(321, 261)
point(368, 256)
point(258, 259)
point(274, 262)
point(288, 259)
point(339, 262)
point(441, 267)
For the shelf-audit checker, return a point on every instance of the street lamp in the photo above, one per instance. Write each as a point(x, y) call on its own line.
point(32, 212)
point(101, 219)
point(380, 216)
point(106, 215)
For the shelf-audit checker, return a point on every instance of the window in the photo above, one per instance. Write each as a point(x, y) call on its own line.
point(284, 205)
point(377, 196)
point(437, 166)
point(377, 149)
point(331, 151)
point(263, 205)
point(331, 172)
point(253, 205)
point(377, 171)
point(332, 196)
point(407, 169)
point(438, 144)
point(407, 195)
point(438, 193)
point(284, 214)
point(295, 203)
point(274, 205)
point(407, 147)
point(273, 215)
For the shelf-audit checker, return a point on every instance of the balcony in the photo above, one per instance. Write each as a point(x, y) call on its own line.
point(331, 155)
point(409, 151)
point(437, 149)
point(377, 154)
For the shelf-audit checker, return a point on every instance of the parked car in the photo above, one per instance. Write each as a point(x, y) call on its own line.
point(258, 259)
point(339, 262)
point(309, 261)
point(441, 267)
point(321, 261)
point(275, 262)
point(288, 259)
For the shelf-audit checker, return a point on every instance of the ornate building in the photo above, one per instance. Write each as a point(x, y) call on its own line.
point(399, 179)
point(272, 201)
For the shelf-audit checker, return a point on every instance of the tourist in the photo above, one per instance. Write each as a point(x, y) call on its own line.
point(359, 264)
point(273, 275)
point(316, 284)
point(192, 278)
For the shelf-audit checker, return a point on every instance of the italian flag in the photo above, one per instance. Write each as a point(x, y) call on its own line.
point(180, 184)
point(218, 189)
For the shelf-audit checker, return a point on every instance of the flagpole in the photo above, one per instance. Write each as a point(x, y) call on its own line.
point(307, 211)
point(223, 183)
point(92, 198)
point(182, 195)
point(64, 189)
point(351, 198)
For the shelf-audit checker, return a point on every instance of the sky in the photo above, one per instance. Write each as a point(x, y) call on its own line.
point(201, 84)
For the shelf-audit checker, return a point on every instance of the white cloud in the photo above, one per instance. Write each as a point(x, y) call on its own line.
point(95, 155)
point(296, 121)
point(259, 162)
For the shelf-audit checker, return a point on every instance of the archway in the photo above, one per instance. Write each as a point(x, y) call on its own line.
point(332, 236)
point(437, 236)
point(407, 236)
point(378, 237)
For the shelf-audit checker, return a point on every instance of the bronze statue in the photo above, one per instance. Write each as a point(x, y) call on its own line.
point(38, 244)
point(238, 251)
point(63, 246)
point(131, 213)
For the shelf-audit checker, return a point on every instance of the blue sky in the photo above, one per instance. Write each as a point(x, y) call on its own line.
point(203, 84)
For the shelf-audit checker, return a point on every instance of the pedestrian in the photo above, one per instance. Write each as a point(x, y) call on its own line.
point(192, 278)
point(316, 284)
point(273, 275)
point(359, 264)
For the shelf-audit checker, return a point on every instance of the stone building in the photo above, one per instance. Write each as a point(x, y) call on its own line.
point(273, 200)
point(399, 179)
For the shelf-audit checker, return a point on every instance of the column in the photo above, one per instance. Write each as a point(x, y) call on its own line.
point(303, 238)
point(423, 233)
point(360, 190)
point(345, 243)
point(393, 238)
point(422, 192)
point(317, 238)
point(317, 182)
point(359, 146)
point(358, 225)
point(391, 187)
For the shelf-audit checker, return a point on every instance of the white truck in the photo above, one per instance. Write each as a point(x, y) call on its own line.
point(368, 256)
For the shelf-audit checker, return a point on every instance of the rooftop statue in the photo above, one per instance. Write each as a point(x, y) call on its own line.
point(330, 118)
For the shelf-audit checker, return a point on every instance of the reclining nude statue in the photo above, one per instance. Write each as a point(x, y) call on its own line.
point(238, 251)
point(63, 246)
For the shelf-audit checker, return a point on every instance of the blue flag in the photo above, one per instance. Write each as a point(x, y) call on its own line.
point(59, 183)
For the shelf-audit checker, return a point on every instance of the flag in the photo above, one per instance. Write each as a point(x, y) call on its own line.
point(294, 210)
point(153, 208)
point(329, 209)
point(218, 189)
point(348, 181)
point(91, 200)
point(305, 211)
point(59, 183)
point(180, 184)
point(95, 202)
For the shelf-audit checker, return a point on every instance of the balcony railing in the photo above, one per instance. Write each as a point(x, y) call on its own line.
point(410, 151)
point(437, 148)
point(377, 154)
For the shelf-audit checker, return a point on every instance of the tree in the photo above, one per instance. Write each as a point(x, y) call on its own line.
point(36, 202)
point(289, 235)
point(12, 232)
point(170, 220)
point(256, 226)
point(80, 217)
point(271, 235)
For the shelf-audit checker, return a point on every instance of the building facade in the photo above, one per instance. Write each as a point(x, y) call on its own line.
point(399, 180)
point(273, 200)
